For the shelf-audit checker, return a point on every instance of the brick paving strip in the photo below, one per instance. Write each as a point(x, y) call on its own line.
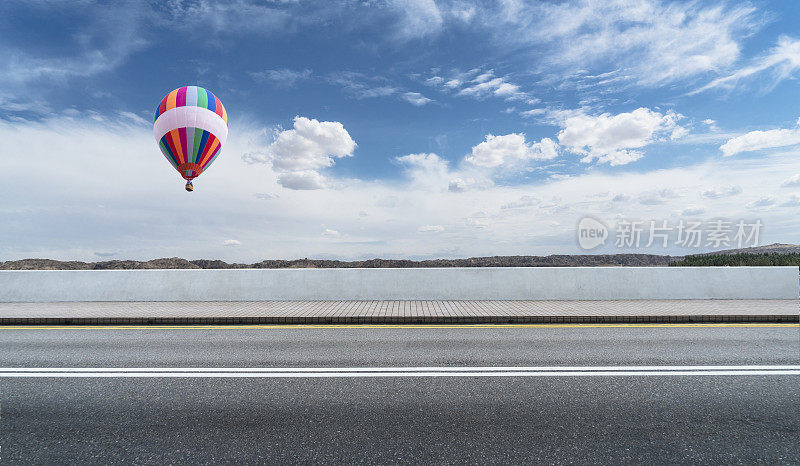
point(398, 312)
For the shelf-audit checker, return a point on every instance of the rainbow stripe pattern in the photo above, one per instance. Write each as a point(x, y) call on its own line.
point(190, 126)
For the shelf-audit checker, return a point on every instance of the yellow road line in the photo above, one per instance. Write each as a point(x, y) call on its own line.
point(384, 326)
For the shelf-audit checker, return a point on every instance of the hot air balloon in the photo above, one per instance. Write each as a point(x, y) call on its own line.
point(191, 127)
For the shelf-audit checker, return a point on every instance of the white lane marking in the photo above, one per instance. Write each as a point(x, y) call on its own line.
point(287, 372)
point(391, 369)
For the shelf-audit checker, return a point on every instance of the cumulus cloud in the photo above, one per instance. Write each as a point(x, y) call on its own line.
point(614, 139)
point(721, 192)
point(232, 242)
point(328, 233)
point(428, 171)
point(303, 180)
point(510, 150)
point(425, 169)
point(757, 140)
point(311, 145)
point(792, 181)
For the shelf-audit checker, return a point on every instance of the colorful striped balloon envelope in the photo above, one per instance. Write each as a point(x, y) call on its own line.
point(191, 127)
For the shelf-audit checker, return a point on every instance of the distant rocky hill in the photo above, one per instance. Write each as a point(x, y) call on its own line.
point(776, 248)
point(558, 260)
point(607, 260)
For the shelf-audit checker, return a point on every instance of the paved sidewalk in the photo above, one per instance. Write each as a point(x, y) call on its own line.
point(388, 312)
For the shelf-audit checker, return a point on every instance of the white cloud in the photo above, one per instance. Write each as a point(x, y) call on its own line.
point(757, 140)
point(310, 145)
point(658, 197)
point(793, 201)
point(479, 84)
point(499, 150)
point(459, 185)
point(298, 153)
point(614, 139)
point(232, 242)
point(484, 77)
point(303, 180)
point(434, 81)
point(524, 201)
point(534, 112)
point(103, 37)
point(429, 172)
point(782, 62)
point(792, 181)
point(430, 229)
point(486, 84)
point(265, 196)
point(135, 119)
point(426, 170)
point(692, 210)
point(415, 98)
point(418, 18)
point(283, 77)
point(362, 86)
point(234, 17)
point(477, 220)
point(144, 208)
point(712, 124)
point(764, 201)
point(17, 105)
point(330, 233)
point(721, 192)
point(651, 41)
point(510, 150)
point(497, 87)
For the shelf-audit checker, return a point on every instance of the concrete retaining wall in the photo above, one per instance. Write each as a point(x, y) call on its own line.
point(557, 283)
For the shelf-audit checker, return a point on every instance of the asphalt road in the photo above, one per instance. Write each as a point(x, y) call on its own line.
point(582, 419)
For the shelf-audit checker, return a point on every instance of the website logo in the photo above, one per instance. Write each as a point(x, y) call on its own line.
point(591, 233)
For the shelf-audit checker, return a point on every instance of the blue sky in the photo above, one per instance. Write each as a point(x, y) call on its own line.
point(395, 128)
